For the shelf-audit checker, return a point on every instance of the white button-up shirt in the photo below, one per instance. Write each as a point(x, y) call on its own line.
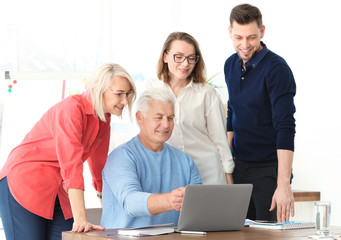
point(200, 131)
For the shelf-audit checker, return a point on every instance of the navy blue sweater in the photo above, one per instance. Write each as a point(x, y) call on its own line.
point(260, 106)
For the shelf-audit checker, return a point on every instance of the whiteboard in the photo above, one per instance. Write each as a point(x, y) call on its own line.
point(26, 102)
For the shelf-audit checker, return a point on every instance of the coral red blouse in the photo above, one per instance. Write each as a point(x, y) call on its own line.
point(49, 161)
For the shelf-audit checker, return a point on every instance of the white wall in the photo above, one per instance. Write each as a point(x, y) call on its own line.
point(304, 32)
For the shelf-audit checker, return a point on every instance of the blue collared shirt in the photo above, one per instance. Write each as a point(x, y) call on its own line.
point(260, 106)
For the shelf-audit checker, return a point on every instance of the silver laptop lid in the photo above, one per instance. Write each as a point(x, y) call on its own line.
point(214, 207)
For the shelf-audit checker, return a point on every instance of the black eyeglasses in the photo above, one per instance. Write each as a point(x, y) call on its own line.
point(180, 58)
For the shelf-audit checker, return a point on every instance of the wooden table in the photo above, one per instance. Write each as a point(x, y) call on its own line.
point(246, 233)
point(306, 196)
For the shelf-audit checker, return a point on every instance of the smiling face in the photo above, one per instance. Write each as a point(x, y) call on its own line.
point(179, 71)
point(157, 125)
point(115, 98)
point(246, 39)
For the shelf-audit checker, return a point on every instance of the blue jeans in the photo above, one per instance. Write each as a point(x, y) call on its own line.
point(20, 223)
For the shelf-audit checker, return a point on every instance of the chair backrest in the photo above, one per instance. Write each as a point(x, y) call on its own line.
point(94, 215)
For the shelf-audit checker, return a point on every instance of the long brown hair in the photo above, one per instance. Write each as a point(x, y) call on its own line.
point(198, 74)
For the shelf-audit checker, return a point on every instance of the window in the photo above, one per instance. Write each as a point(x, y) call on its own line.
point(42, 35)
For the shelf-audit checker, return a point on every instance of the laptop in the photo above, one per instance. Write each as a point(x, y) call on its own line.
point(214, 207)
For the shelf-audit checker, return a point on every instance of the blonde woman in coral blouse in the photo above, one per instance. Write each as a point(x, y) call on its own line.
point(200, 129)
point(41, 184)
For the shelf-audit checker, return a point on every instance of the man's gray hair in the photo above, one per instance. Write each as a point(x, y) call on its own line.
point(157, 94)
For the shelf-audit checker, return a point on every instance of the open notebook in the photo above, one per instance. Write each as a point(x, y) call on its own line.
point(147, 230)
point(281, 225)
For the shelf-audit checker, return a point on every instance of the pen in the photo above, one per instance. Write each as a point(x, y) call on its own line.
point(193, 232)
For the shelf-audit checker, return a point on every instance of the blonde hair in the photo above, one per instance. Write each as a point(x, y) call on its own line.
point(101, 80)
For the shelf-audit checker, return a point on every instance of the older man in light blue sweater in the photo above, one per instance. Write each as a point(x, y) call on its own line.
point(144, 179)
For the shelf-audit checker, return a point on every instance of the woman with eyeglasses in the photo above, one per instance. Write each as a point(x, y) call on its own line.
point(41, 184)
point(200, 123)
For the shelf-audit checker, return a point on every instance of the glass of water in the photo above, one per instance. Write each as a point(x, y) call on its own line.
point(322, 221)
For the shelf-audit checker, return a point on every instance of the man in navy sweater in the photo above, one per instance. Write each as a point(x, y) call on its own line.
point(260, 122)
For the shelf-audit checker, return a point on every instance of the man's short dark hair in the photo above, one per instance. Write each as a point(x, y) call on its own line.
point(245, 14)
